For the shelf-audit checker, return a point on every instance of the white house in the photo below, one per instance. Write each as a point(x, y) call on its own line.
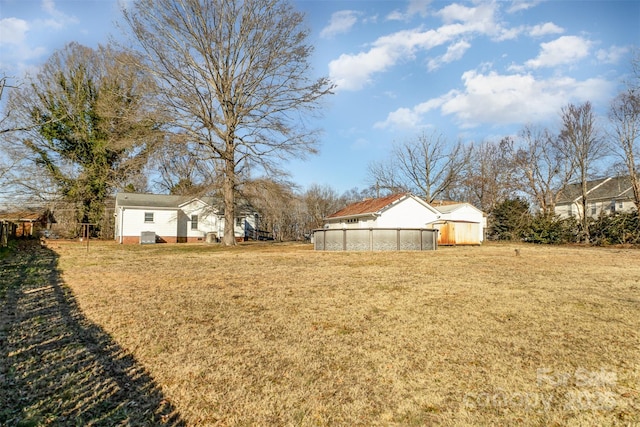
point(604, 196)
point(459, 223)
point(152, 218)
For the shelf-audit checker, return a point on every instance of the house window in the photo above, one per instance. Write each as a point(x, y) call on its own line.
point(194, 222)
point(593, 208)
point(620, 204)
point(239, 222)
point(148, 217)
point(612, 206)
point(352, 220)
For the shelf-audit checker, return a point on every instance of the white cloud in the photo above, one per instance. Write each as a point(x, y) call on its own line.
point(49, 6)
point(533, 31)
point(509, 33)
point(612, 55)
point(519, 5)
point(13, 31)
point(480, 18)
point(396, 15)
point(407, 118)
point(403, 118)
point(496, 99)
point(355, 71)
point(14, 48)
point(17, 37)
point(454, 52)
point(415, 7)
point(544, 29)
point(564, 50)
point(57, 19)
point(341, 22)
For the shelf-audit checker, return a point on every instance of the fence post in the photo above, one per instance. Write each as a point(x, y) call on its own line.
point(344, 239)
point(4, 234)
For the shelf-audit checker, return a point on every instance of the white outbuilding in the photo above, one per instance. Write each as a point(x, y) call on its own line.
point(460, 224)
point(457, 223)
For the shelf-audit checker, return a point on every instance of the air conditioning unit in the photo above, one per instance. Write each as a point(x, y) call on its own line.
point(147, 237)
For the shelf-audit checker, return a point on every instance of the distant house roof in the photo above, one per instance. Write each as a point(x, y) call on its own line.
point(28, 216)
point(612, 188)
point(367, 206)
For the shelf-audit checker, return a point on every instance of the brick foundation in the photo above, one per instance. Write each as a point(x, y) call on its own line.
point(135, 240)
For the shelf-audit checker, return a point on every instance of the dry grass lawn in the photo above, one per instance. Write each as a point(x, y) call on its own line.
point(275, 334)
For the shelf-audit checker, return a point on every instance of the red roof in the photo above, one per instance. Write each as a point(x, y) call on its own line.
point(368, 206)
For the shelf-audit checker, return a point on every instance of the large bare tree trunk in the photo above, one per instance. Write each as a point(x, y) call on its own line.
point(229, 196)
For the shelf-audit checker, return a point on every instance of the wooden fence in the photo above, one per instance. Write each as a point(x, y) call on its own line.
point(7, 230)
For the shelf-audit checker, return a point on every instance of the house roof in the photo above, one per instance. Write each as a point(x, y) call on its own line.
point(168, 201)
point(438, 203)
point(452, 207)
point(367, 206)
point(612, 188)
point(165, 201)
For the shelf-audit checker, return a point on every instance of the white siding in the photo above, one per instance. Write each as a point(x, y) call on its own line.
point(165, 222)
point(363, 222)
point(207, 219)
point(408, 213)
point(565, 211)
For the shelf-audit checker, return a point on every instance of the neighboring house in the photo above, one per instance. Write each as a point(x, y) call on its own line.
point(459, 223)
point(148, 218)
point(604, 196)
point(29, 223)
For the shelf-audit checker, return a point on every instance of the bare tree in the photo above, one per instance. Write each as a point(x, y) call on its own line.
point(281, 210)
point(384, 176)
point(489, 176)
point(235, 75)
point(427, 166)
point(624, 116)
point(179, 170)
point(4, 116)
point(543, 167)
point(320, 202)
point(583, 145)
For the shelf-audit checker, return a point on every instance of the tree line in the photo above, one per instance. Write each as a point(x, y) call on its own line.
point(530, 170)
point(216, 95)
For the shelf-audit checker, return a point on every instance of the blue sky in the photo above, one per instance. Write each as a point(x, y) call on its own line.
point(471, 71)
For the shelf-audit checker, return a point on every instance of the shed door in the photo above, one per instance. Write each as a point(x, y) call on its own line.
point(447, 234)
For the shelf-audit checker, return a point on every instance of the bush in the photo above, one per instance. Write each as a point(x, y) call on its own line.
point(551, 229)
point(616, 229)
point(509, 220)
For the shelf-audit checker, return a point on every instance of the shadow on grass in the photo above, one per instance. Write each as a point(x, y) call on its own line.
point(56, 366)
